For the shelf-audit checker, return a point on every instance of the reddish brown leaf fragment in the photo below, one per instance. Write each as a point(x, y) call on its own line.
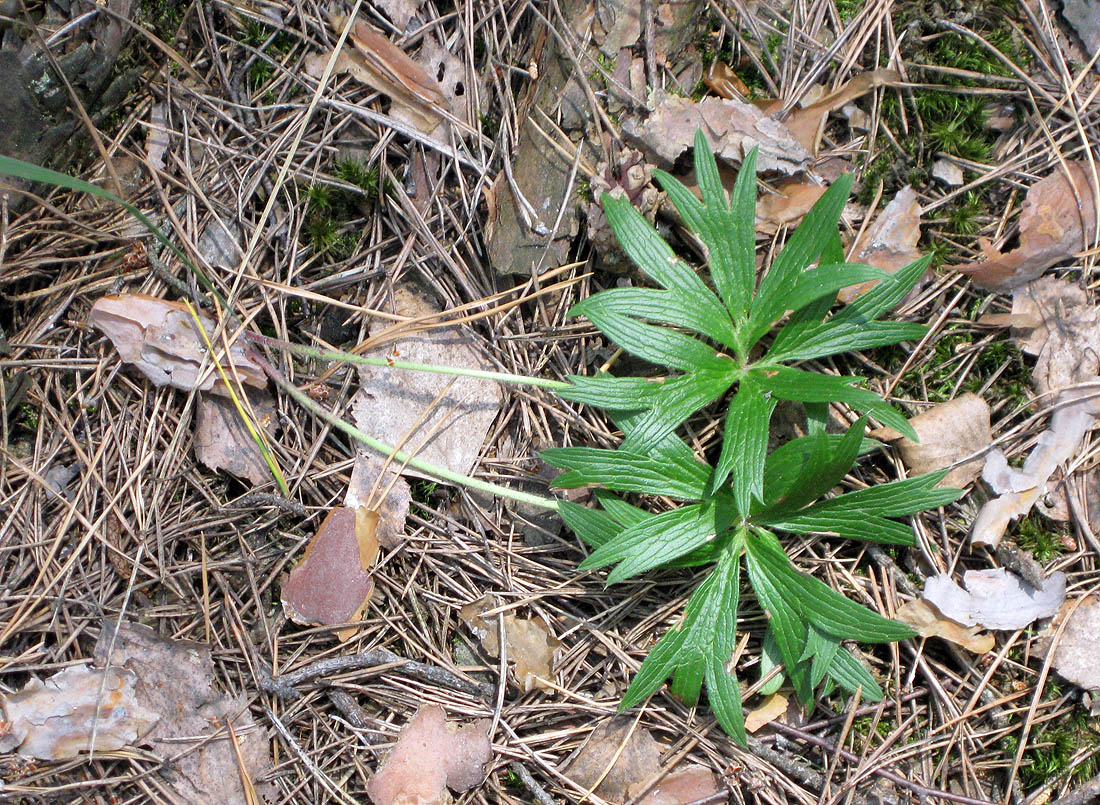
point(332, 582)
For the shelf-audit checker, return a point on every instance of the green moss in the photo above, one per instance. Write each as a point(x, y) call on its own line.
point(848, 9)
point(1043, 538)
point(1053, 747)
point(331, 211)
point(163, 17)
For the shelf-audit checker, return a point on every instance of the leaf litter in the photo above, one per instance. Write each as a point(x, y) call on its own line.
point(1053, 319)
point(1057, 221)
point(926, 619)
point(223, 442)
point(890, 243)
point(441, 419)
point(995, 598)
point(530, 645)
point(949, 433)
point(619, 760)
point(430, 756)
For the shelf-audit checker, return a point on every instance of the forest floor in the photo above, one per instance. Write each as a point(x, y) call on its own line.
point(330, 213)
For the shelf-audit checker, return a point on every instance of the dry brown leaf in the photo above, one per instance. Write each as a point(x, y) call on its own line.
point(1057, 220)
point(721, 79)
point(399, 11)
point(948, 432)
point(415, 96)
point(390, 404)
point(806, 124)
point(1075, 656)
point(223, 442)
point(890, 243)
point(432, 755)
point(624, 758)
point(929, 622)
point(161, 339)
point(770, 709)
point(332, 582)
point(370, 478)
point(1051, 318)
point(175, 678)
point(530, 644)
point(690, 784)
point(731, 126)
point(56, 719)
point(787, 205)
point(995, 599)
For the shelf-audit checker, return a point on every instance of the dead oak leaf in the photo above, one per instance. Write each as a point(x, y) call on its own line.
point(1057, 220)
point(529, 642)
point(430, 756)
point(890, 243)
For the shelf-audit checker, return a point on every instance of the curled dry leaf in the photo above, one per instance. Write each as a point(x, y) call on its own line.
point(1019, 490)
point(807, 123)
point(948, 432)
point(1057, 220)
point(432, 755)
point(175, 679)
point(371, 478)
point(57, 718)
point(995, 599)
point(623, 758)
point(529, 642)
point(1050, 318)
point(928, 621)
point(769, 710)
point(890, 243)
point(733, 128)
point(390, 405)
point(161, 339)
point(416, 97)
point(787, 205)
point(332, 583)
point(223, 442)
point(1075, 655)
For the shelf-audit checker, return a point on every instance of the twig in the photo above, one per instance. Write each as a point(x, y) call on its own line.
point(525, 777)
point(257, 499)
point(284, 684)
point(1089, 792)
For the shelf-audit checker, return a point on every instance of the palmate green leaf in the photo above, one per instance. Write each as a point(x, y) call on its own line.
point(594, 527)
point(845, 524)
point(628, 472)
point(825, 608)
point(894, 499)
point(745, 445)
point(850, 674)
point(787, 627)
point(802, 249)
point(853, 327)
point(660, 539)
point(788, 383)
point(804, 469)
point(622, 512)
point(678, 401)
point(659, 345)
point(703, 314)
point(699, 649)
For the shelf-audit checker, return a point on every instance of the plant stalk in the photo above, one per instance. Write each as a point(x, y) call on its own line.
point(459, 371)
point(398, 455)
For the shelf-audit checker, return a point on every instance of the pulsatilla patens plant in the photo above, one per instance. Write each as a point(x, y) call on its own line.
point(712, 342)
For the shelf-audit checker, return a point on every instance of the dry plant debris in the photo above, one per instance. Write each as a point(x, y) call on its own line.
point(77, 710)
point(1075, 654)
point(995, 599)
point(160, 339)
point(949, 432)
point(175, 679)
point(1052, 319)
point(332, 583)
point(807, 123)
point(430, 756)
point(619, 759)
point(787, 205)
point(1057, 221)
point(440, 419)
point(890, 243)
point(222, 442)
point(372, 479)
point(926, 619)
point(769, 710)
point(733, 127)
point(528, 641)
